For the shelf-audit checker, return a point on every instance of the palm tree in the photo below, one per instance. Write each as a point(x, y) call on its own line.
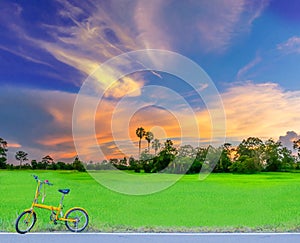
point(21, 156)
point(156, 145)
point(149, 137)
point(140, 133)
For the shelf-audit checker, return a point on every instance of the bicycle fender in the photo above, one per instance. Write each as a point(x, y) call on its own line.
point(28, 209)
point(75, 208)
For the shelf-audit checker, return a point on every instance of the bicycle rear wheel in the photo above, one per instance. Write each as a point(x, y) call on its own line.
point(25, 222)
point(80, 217)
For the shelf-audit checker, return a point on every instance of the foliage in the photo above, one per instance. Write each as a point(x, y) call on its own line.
point(277, 158)
point(223, 163)
point(245, 165)
point(78, 165)
point(21, 156)
point(296, 145)
point(44, 165)
point(252, 147)
point(252, 155)
point(140, 133)
point(156, 145)
point(47, 159)
point(149, 137)
point(3, 150)
point(165, 157)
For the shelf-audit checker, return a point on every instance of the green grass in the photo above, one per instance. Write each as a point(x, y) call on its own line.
point(220, 203)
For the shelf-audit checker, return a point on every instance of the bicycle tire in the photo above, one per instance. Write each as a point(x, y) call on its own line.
point(23, 219)
point(81, 217)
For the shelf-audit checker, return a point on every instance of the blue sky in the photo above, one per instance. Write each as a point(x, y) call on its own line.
point(249, 48)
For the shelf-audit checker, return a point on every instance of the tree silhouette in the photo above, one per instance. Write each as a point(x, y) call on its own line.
point(169, 147)
point(3, 150)
point(47, 160)
point(78, 165)
point(156, 145)
point(296, 146)
point(21, 156)
point(149, 137)
point(140, 133)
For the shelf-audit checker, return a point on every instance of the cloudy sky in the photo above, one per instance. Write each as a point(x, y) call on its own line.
point(48, 49)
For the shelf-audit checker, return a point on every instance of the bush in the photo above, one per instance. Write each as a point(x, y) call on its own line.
point(195, 167)
point(245, 165)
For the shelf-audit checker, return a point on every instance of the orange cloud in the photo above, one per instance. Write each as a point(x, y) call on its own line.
point(14, 145)
point(263, 110)
point(55, 140)
point(66, 155)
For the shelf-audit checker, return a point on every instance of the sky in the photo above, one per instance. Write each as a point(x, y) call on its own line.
point(250, 49)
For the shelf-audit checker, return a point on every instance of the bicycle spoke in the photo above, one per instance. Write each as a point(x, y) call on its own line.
point(80, 220)
point(25, 222)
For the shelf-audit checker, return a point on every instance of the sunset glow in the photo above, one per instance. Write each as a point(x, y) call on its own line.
point(249, 49)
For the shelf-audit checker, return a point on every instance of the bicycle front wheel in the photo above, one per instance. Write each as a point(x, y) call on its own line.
point(77, 220)
point(25, 222)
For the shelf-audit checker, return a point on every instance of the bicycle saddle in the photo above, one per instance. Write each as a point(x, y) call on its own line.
point(64, 191)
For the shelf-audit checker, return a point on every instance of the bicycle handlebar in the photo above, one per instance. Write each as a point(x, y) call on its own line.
point(43, 182)
point(48, 183)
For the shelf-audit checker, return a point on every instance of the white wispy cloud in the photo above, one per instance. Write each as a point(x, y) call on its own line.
point(244, 70)
point(225, 20)
point(150, 24)
point(207, 26)
point(15, 30)
point(255, 12)
point(292, 45)
point(92, 32)
point(89, 34)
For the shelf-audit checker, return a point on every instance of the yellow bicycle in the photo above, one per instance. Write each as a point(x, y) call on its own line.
point(76, 219)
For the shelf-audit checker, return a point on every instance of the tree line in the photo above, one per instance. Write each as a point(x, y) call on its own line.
point(252, 155)
point(47, 162)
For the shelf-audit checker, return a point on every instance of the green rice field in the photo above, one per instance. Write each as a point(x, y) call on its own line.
point(265, 202)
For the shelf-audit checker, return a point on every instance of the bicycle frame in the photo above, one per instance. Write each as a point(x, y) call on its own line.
point(57, 210)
